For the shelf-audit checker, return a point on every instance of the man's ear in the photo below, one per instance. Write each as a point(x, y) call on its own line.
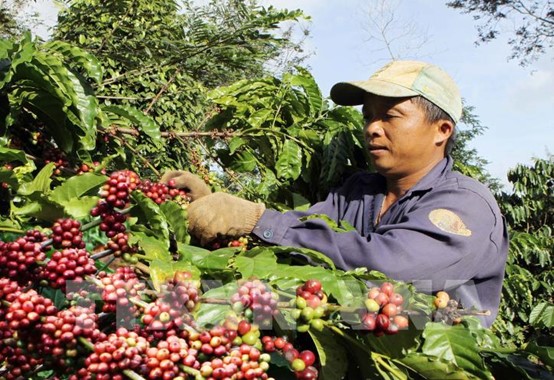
point(444, 129)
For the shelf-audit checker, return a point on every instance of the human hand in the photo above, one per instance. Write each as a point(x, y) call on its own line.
point(222, 214)
point(196, 187)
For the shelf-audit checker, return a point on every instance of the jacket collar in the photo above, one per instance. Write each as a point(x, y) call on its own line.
point(437, 173)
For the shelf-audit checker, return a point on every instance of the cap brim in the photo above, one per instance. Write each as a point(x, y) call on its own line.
point(352, 93)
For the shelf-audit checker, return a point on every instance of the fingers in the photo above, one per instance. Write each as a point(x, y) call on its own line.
point(169, 175)
point(196, 185)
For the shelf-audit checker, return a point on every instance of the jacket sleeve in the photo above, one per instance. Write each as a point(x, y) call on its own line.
point(444, 238)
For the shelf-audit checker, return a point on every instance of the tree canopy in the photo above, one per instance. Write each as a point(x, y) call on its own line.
point(531, 24)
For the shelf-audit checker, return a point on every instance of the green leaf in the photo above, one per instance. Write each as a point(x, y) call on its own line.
point(149, 214)
point(331, 354)
point(78, 56)
point(137, 118)
point(315, 256)
point(39, 206)
point(9, 155)
point(154, 249)
point(191, 253)
point(289, 162)
point(176, 217)
point(307, 82)
point(29, 208)
point(19, 53)
point(260, 265)
point(217, 260)
point(516, 366)
point(455, 344)
point(86, 107)
point(75, 94)
point(396, 345)
point(56, 295)
point(79, 208)
point(210, 314)
point(235, 143)
point(542, 315)
point(244, 161)
point(258, 118)
point(431, 368)
point(76, 187)
point(345, 289)
point(50, 109)
point(10, 225)
point(162, 271)
point(545, 353)
point(41, 183)
point(8, 176)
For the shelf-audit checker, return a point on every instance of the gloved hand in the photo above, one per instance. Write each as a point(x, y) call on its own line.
point(222, 214)
point(196, 187)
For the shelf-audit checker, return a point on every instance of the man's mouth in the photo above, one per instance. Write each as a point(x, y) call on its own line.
point(374, 147)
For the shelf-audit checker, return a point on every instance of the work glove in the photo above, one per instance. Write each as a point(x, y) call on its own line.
point(196, 187)
point(222, 214)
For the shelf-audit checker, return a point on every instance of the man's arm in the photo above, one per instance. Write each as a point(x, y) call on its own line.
point(415, 247)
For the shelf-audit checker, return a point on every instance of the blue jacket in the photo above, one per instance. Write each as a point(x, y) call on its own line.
point(445, 233)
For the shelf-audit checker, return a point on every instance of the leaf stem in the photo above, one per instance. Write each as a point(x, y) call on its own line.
point(378, 358)
point(138, 302)
point(192, 371)
point(101, 254)
point(86, 343)
point(132, 375)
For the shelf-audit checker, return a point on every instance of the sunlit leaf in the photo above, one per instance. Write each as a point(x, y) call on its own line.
point(41, 183)
point(289, 161)
point(454, 344)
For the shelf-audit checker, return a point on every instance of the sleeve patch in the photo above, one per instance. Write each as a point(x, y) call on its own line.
point(448, 221)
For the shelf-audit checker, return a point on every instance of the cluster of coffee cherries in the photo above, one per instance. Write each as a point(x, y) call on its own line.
point(119, 289)
point(21, 259)
point(86, 168)
point(310, 306)
point(243, 242)
point(256, 300)
point(170, 312)
point(448, 310)
point(66, 233)
point(120, 184)
point(60, 334)
point(120, 351)
point(383, 311)
point(21, 321)
point(301, 362)
point(115, 196)
point(8, 167)
point(56, 156)
point(24, 260)
point(161, 192)
point(69, 264)
point(260, 347)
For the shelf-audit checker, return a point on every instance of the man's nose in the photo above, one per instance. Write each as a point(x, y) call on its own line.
point(373, 128)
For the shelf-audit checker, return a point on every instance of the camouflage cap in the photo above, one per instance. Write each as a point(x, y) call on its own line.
point(399, 79)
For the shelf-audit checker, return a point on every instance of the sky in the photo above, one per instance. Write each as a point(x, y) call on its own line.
point(511, 101)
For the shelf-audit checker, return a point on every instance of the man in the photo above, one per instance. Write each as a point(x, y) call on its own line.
point(416, 220)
